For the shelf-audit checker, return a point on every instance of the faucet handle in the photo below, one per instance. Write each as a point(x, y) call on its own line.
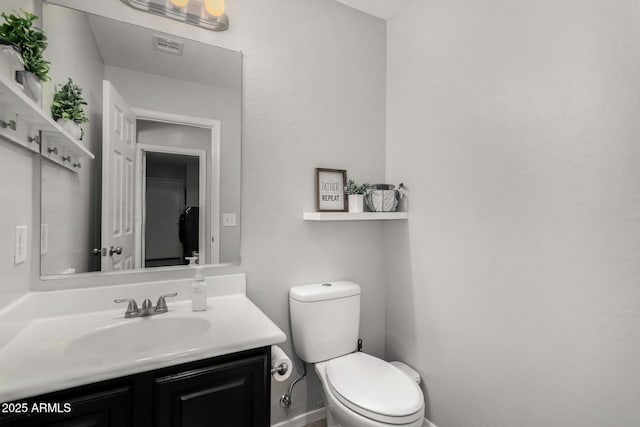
point(146, 305)
point(131, 308)
point(161, 305)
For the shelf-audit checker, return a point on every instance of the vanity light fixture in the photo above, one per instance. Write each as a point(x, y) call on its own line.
point(207, 14)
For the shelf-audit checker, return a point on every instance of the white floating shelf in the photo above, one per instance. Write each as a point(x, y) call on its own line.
point(351, 216)
point(19, 107)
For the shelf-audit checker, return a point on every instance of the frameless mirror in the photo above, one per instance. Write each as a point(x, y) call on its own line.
point(165, 126)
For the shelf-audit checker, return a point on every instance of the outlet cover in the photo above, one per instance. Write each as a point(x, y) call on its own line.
point(20, 247)
point(228, 220)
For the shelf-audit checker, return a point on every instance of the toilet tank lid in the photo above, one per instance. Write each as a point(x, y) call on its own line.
point(324, 291)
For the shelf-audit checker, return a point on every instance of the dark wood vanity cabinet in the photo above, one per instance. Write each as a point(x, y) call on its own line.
point(226, 391)
point(230, 395)
point(108, 407)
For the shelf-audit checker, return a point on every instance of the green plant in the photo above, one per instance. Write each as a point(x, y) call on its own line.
point(67, 103)
point(19, 30)
point(351, 188)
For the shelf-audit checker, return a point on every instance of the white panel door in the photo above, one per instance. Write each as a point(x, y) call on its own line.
point(118, 160)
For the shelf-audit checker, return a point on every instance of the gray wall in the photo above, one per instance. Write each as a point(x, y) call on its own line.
point(71, 200)
point(514, 286)
point(18, 173)
point(17, 169)
point(313, 96)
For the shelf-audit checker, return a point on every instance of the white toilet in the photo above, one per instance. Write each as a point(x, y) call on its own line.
point(359, 390)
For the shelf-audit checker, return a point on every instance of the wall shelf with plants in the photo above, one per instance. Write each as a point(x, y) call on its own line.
point(23, 122)
point(22, 119)
point(383, 200)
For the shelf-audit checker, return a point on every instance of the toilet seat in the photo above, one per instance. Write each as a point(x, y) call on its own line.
point(374, 389)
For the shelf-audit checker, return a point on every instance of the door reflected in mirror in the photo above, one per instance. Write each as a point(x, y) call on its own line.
point(165, 128)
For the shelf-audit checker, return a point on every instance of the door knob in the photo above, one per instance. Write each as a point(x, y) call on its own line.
point(117, 250)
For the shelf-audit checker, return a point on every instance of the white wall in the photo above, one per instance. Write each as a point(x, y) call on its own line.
point(514, 286)
point(313, 96)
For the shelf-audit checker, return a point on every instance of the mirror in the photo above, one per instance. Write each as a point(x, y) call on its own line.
point(165, 127)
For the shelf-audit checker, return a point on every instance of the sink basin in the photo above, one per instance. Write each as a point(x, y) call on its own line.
point(137, 336)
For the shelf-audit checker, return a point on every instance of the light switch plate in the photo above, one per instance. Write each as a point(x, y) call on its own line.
point(20, 247)
point(228, 220)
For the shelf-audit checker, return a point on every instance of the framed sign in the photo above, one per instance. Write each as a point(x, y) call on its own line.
point(330, 190)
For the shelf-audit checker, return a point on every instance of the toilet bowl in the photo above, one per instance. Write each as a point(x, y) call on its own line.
point(360, 390)
point(363, 391)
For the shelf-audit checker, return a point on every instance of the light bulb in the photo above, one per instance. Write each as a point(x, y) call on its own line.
point(214, 7)
point(179, 3)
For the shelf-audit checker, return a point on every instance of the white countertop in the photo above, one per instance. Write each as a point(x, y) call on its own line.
point(33, 360)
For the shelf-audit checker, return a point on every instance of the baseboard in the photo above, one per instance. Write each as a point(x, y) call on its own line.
point(303, 419)
point(317, 415)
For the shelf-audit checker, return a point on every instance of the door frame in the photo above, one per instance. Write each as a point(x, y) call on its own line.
point(141, 185)
point(213, 250)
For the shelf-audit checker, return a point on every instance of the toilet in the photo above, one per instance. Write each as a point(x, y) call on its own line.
point(359, 390)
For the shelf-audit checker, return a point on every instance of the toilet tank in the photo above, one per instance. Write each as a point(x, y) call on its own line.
point(325, 318)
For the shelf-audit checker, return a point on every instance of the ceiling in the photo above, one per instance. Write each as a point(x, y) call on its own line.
point(384, 9)
point(129, 46)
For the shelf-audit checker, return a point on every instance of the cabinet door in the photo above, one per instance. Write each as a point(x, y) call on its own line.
point(233, 394)
point(110, 408)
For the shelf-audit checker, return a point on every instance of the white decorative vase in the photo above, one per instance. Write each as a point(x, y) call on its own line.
point(32, 86)
point(356, 203)
point(71, 127)
point(10, 61)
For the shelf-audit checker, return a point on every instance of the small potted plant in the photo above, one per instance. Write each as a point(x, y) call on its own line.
point(67, 108)
point(31, 41)
point(356, 195)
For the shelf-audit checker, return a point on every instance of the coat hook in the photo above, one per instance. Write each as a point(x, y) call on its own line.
point(66, 158)
point(77, 165)
point(53, 150)
point(11, 124)
point(35, 138)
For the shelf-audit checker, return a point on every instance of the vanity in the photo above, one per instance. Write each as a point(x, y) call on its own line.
point(71, 358)
point(151, 184)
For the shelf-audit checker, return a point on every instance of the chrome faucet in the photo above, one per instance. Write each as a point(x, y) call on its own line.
point(147, 308)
